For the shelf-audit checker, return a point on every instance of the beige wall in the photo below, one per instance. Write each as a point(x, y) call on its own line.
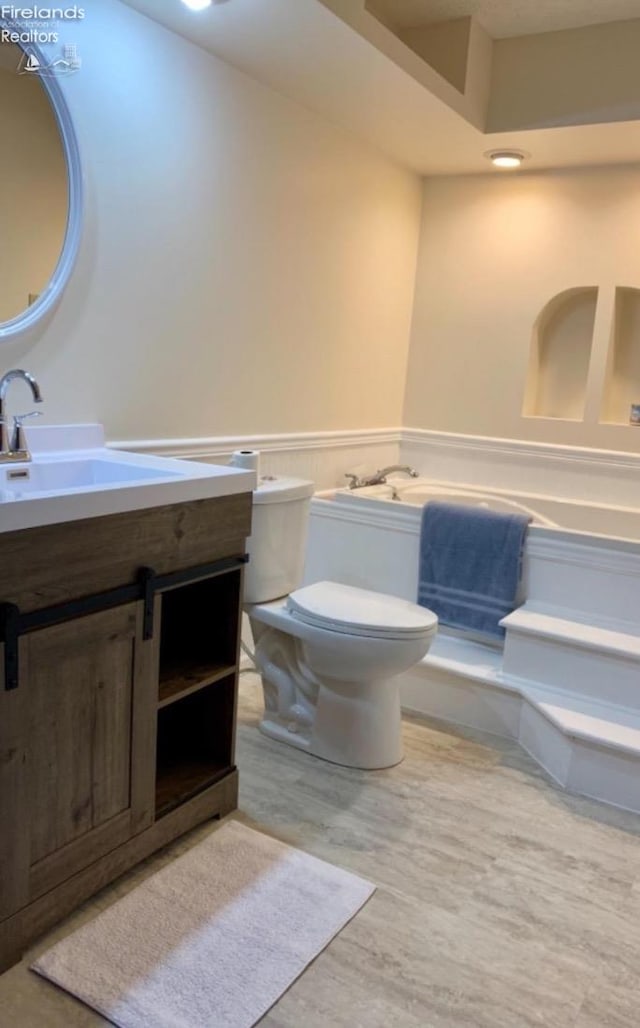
point(33, 189)
point(246, 267)
point(249, 268)
point(494, 250)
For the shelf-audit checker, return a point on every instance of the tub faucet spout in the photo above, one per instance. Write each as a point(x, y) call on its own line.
point(380, 476)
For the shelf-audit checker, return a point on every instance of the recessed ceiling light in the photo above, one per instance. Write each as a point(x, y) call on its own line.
point(507, 158)
point(197, 5)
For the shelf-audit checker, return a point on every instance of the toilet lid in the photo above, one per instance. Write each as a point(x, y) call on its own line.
point(344, 608)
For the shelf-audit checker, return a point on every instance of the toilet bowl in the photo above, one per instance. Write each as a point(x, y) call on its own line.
point(328, 654)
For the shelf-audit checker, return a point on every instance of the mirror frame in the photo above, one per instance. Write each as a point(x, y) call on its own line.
point(52, 293)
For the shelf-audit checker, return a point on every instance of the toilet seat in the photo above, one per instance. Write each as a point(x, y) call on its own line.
point(352, 611)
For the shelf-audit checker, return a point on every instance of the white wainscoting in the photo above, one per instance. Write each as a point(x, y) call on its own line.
point(559, 471)
point(570, 472)
point(323, 457)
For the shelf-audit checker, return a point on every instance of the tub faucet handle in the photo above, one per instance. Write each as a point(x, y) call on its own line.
point(354, 481)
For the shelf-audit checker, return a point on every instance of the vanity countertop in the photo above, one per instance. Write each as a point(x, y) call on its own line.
point(73, 475)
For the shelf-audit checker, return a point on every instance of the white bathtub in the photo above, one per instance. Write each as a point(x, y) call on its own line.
point(548, 511)
point(581, 558)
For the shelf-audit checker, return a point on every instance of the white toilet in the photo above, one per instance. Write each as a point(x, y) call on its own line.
point(328, 653)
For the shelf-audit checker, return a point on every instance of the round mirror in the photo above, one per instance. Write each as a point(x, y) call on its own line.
point(40, 189)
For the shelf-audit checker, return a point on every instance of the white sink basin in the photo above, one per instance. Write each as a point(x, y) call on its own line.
point(56, 476)
point(73, 475)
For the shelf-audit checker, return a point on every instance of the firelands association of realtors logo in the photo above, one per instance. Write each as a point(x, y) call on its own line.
point(32, 27)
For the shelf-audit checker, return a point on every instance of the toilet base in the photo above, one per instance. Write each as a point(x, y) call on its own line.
point(356, 725)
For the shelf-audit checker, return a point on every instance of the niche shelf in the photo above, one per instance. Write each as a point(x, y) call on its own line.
point(622, 376)
point(560, 355)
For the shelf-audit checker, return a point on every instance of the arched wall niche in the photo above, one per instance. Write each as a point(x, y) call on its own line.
point(622, 376)
point(560, 355)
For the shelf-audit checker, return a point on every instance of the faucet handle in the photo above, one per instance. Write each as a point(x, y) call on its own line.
point(354, 481)
point(19, 418)
point(17, 435)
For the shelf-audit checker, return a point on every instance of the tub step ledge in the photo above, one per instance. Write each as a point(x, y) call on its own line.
point(587, 746)
point(545, 624)
point(588, 749)
point(595, 662)
point(578, 718)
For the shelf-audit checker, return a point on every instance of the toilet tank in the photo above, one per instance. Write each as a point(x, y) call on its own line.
point(278, 538)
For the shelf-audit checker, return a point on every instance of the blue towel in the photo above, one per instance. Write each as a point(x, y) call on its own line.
point(470, 564)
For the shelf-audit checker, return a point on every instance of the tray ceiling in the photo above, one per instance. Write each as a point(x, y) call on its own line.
point(503, 18)
point(301, 49)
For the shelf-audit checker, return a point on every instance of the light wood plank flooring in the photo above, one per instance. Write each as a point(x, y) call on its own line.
point(501, 903)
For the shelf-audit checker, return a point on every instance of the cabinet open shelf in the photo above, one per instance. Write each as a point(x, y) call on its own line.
point(198, 635)
point(195, 742)
point(196, 687)
point(177, 681)
point(179, 783)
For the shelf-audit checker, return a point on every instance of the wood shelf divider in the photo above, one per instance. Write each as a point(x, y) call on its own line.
point(177, 784)
point(176, 683)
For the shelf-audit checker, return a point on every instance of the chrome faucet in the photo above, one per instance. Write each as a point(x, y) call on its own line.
point(13, 446)
point(380, 477)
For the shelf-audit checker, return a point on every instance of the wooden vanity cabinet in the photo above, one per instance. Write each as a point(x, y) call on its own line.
point(117, 733)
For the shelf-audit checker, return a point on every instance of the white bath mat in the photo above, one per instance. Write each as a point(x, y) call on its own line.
point(210, 941)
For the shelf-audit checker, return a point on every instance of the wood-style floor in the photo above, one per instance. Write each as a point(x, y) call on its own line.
point(501, 902)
